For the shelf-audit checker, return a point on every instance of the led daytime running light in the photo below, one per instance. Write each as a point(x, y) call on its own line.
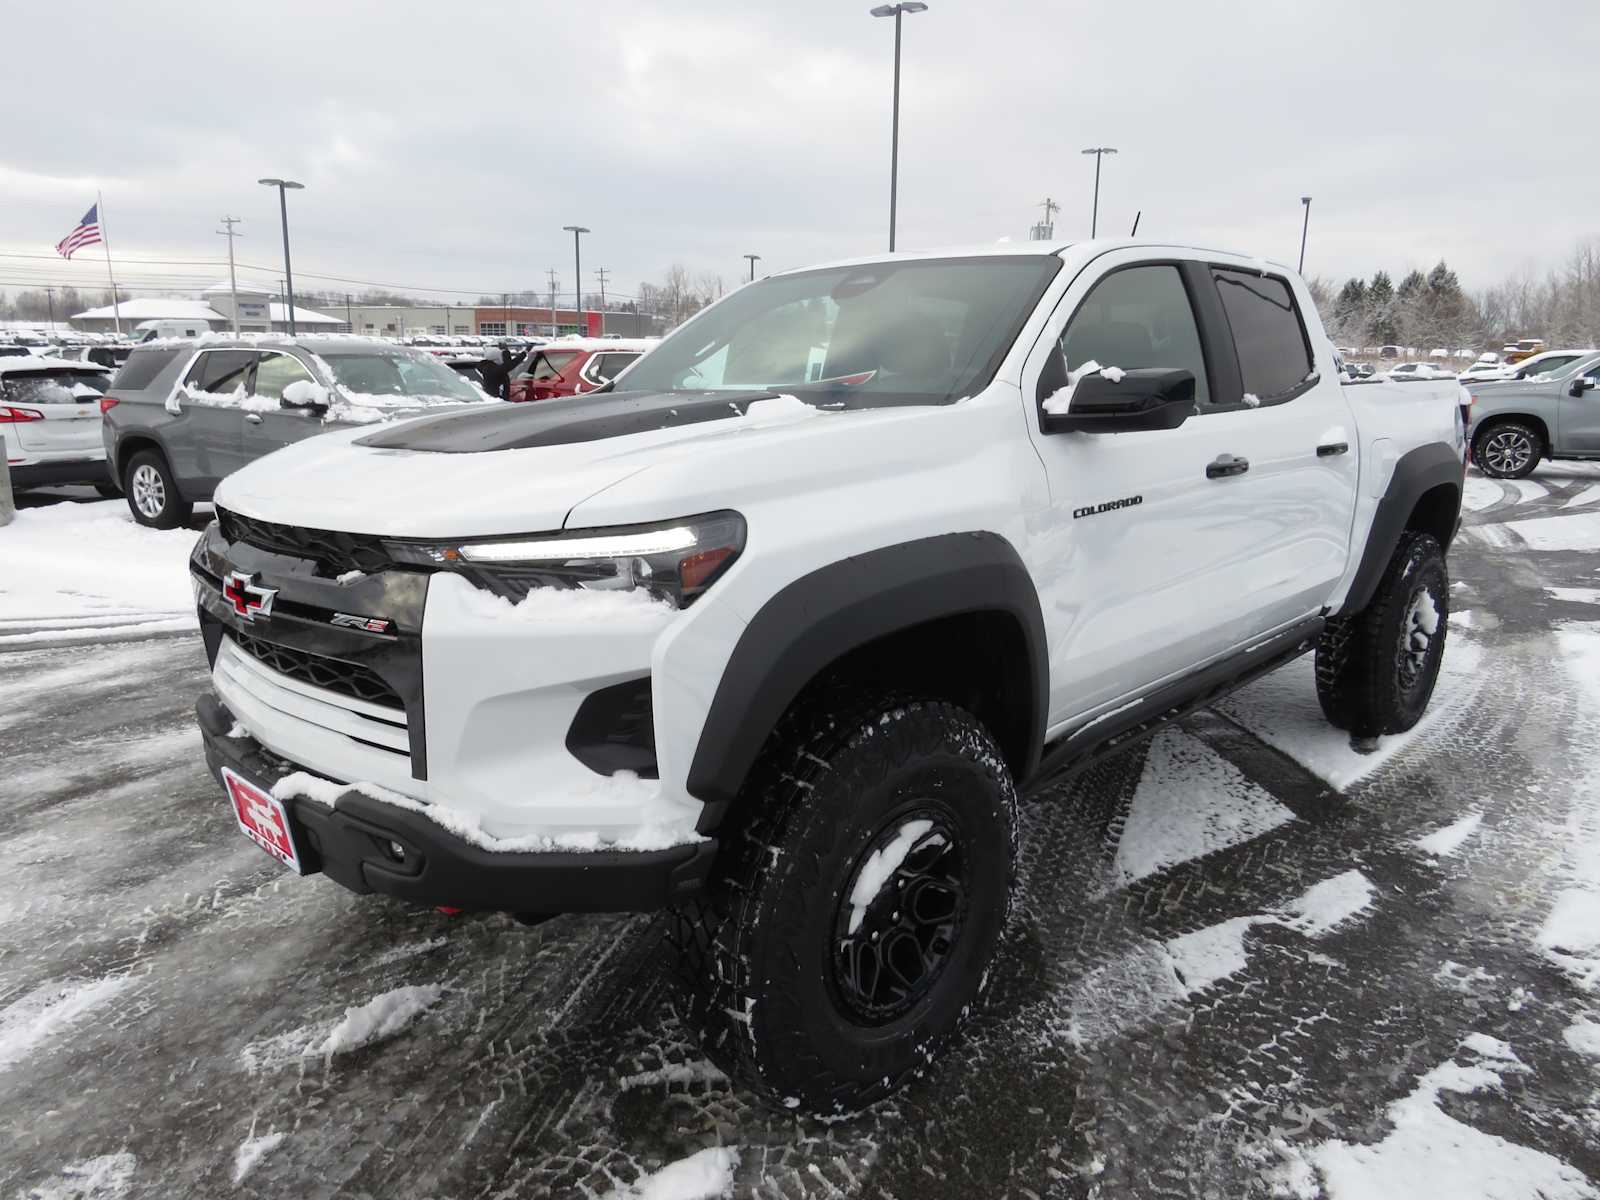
point(622, 545)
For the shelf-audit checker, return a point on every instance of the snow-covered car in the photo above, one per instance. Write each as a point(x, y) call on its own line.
point(1420, 370)
point(183, 414)
point(772, 631)
point(50, 422)
point(1485, 370)
point(108, 357)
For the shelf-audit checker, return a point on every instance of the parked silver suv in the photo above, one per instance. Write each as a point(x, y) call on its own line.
point(181, 415)
point(1554, 414)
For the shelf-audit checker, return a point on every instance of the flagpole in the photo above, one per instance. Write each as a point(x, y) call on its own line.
point(105, 240)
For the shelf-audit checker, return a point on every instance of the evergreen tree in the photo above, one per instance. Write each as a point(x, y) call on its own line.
point(1381, 325)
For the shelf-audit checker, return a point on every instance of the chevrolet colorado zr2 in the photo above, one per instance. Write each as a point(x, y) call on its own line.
point(771, 634)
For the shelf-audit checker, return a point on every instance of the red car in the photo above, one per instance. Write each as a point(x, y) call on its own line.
point(574, 365)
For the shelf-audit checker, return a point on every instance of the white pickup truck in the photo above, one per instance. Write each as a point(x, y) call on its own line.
point(772, 634)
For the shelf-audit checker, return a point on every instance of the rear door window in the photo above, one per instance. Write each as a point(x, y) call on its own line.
point(141, 368)
point(1274, 355)
point(611, 365)
point(220, 372)
point(550, 366)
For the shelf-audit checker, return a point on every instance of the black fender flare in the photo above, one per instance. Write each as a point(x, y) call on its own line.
point(1416, 473)
point(841, 607)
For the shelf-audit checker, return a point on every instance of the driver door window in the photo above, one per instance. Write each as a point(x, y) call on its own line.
point(1138, 317)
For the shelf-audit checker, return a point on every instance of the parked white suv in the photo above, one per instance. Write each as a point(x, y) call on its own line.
point(50, 422)
point(774, 637)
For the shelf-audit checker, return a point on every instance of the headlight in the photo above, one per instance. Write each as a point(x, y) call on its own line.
point(675, 560)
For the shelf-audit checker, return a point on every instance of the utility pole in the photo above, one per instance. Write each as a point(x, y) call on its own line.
point(1304, 228)
point(50, 298)
point(1045, 230)
point(554, 332)
point(505, 313)
point(754, 259)
point(577, 231)
point(602, 273)
point(233, 282)
point(349, 319)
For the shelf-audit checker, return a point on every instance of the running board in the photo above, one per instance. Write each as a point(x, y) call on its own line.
point(1114, 731)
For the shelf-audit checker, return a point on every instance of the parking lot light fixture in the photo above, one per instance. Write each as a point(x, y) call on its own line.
point(1305, 226)
point(1099, 153)
point(896, 11)
point(283, 185)
point(577, 232)
point(754, 259)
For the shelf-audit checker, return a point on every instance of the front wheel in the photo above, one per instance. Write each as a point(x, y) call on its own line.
point(1507, 450)
point(1376, 669)
point(853, 921)
point(153, 497)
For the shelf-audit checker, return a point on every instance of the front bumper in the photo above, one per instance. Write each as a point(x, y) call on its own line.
point(350, 843)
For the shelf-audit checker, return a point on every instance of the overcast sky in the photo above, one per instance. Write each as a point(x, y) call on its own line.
point(444, 146)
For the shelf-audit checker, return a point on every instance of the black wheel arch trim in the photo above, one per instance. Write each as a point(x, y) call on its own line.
point(1417, 473)
point(823, 616)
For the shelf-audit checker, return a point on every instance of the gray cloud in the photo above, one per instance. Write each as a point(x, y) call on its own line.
point(447, 146)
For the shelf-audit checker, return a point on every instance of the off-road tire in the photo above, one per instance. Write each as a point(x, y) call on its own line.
point(771, 991)
point(1507, 450)
point(1376, 669)
point(152, 492)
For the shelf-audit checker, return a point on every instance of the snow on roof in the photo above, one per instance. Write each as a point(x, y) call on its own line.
point(160, 309)
point(244, 289)
point(39, 362)
point(280, 312)
point(625, 345)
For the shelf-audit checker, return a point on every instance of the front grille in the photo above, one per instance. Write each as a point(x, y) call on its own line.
point(333, 553)
point(348, 679)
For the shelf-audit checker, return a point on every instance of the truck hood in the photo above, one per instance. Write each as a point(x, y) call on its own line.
point(499, 469)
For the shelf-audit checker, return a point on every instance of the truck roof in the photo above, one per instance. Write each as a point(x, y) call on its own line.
point(1080, 251)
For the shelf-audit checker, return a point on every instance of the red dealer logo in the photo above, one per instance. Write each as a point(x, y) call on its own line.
point(248, 600)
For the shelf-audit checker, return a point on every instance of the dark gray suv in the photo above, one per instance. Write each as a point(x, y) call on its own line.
point(180, 415)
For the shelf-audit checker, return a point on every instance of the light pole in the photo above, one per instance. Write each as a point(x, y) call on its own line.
point(754, 259)
point(600, 274)
point(896, 11)
point(577, 232)
point(1304, 227)
point(283, 213)
point(1099, 152)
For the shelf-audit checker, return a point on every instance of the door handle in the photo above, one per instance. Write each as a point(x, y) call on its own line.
point(1329, 449)
point(1225, 465)
point(253, 418)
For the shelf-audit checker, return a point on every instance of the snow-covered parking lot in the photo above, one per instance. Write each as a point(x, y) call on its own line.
point(1247, 959)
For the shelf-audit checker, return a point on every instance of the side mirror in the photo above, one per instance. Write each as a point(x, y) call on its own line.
point(1580, 385)
point(304, 396)
point(1146, 398)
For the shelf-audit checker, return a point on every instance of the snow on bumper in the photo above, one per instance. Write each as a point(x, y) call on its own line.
point(369, 839)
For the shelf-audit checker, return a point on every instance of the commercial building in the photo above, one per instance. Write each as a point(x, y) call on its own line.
point(258, 313)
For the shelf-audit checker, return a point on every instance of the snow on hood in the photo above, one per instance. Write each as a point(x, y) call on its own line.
point(412, 479)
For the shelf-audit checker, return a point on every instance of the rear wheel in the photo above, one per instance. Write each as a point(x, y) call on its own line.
point(1507, 450)
point(1376, 670)
point(853, 918)
point(152, 492)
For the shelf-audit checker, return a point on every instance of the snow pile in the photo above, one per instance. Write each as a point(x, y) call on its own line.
point(1584, 1037)
point(780, 408)
point(103, 1178)
point(704, 1175)
point(880, 865)
point(78, 572)
point(1429, 1153)
point(1190, 802)
point(305, 392)
point(1329, 904)
point(48, 1010)
point(1442, 843)
point(378, 1019)
point(1251, 400)
point(251, 1152)
point(622, 787)
point(631, 608)
point(1567, 531)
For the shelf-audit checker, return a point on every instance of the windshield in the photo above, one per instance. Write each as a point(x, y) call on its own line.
point(59, 387)
point(1546, 364)
point(921, 332)
point(374, 373)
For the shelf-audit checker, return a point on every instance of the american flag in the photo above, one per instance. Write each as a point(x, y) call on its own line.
point(86, 234)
